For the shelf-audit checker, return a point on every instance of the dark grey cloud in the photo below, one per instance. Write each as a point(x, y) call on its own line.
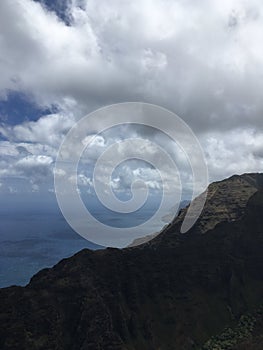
point(23, 151)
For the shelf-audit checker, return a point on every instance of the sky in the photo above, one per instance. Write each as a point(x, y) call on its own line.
point(60, 60)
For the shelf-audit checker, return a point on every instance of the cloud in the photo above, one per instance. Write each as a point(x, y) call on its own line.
point(224, 152)
point(47, 130)
point(34, 161)
point(23, 150)
point(236, 152)
point(35, 168)
point(202, 60)
point(18, 163)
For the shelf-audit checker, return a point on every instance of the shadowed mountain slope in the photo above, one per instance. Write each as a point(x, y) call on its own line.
point(175, 292)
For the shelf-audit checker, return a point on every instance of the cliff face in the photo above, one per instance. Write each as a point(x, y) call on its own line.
point(174, 292)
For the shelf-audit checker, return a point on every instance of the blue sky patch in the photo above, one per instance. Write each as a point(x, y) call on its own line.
point(57, 6)
point(18, 108)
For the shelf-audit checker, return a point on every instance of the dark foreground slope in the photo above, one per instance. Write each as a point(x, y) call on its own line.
point(175, 292)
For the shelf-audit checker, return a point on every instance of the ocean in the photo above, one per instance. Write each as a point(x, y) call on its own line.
point(32, 240)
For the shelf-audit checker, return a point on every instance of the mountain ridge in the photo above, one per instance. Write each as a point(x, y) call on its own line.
point(229, 207)
point(176, 291)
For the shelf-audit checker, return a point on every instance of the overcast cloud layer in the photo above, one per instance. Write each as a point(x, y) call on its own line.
point(203, 60)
